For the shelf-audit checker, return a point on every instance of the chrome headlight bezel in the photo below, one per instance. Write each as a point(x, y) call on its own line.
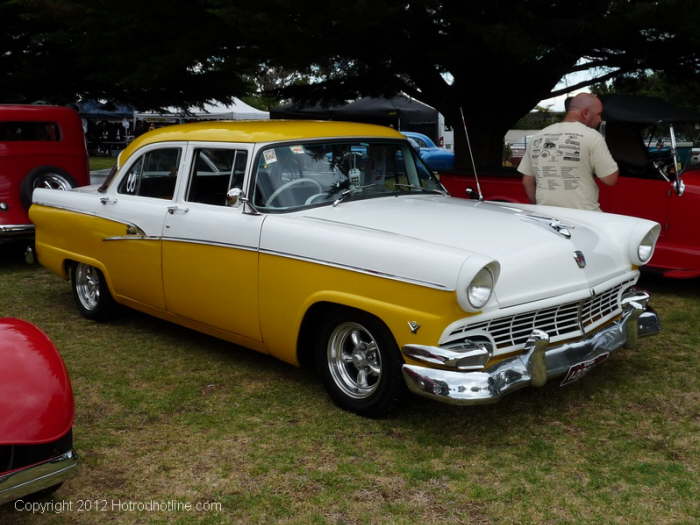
point(480, 289)
point(476, 284)
point(643, 243)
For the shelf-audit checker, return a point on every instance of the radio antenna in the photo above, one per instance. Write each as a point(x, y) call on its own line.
point(471, 155)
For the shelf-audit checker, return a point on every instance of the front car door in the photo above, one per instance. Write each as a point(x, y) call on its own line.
point(210, 250)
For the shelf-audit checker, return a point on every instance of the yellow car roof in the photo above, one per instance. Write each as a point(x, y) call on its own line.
point(257, 131)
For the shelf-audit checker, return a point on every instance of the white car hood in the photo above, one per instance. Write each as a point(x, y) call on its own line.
point(536, 261)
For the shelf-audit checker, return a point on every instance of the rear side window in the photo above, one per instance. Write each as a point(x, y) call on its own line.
point(29, 131)
point(153, 174)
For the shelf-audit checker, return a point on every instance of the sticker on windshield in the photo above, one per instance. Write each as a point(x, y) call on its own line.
point(297, 149)
point(270, 156)
point(354, 177)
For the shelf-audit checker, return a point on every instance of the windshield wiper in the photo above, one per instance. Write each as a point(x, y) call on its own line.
point(420, 188)
point(350, 191)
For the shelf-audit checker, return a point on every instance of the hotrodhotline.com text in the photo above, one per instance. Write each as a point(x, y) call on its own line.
point(115, 505)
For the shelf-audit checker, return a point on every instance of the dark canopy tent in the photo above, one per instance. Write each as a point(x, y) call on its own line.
point(400, 112)
point(631, 118)
point(644, 110)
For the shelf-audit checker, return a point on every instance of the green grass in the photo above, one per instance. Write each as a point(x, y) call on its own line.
point(164, 413)
point(100, 163)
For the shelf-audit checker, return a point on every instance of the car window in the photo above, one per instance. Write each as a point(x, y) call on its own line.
point(29, 131)
point(153, 175)
point(308, 174)
point(214, 172)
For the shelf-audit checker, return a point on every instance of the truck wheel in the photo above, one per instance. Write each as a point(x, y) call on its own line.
point(359, 363)
point(90, 292)
point(44, 177)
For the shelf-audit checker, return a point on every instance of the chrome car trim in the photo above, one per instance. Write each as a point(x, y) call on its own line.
point(537, 364)
point(367, 271)
point(16, 228)
point(37, 477)
point(75, 210)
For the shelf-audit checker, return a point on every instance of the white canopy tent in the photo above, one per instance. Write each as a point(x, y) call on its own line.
point(236, 110)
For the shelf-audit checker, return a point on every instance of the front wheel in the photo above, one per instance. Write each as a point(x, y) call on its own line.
point(359, 362)
point(90, 292)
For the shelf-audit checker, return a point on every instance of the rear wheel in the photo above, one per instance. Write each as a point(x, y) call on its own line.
point(90, 292)
point(44, 177)
point(359, 362)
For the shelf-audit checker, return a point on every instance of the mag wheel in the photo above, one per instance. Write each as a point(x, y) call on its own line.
point(90, 292)
point(359, 362)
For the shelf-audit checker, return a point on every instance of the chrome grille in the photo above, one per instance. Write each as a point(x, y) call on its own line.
point(560, 322)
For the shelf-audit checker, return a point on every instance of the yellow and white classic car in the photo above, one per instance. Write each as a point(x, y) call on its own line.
point(331, 244)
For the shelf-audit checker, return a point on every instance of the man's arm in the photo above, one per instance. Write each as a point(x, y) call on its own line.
point(530, 187)
point(611, 179)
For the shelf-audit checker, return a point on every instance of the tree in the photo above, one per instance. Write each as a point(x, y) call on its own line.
point(494, 60)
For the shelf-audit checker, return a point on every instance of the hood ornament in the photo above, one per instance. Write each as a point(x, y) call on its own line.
point(562, 230)
point(555, 224)
point(580, 259)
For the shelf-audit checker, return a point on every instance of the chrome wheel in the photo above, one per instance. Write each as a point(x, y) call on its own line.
point(354, 360)
point(87, 286)
point(52, 181)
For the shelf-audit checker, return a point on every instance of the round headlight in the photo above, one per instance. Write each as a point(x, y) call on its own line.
point(646, 247)
point(480, 289)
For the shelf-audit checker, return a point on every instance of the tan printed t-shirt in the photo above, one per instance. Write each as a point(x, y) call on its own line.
point(563, 158)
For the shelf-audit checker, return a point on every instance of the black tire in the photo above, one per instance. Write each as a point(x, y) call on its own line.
point(90, 292)
point(359, 362)
point(44, 177)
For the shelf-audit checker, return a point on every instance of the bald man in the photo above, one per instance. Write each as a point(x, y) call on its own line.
point(561, 161)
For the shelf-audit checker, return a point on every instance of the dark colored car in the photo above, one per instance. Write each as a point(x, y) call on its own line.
point(40, 147)
point(36, 413)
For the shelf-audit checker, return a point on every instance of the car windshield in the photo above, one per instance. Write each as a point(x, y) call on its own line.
point(292, 176)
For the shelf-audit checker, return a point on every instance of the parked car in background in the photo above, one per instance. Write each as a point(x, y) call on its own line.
point(36, 413)
point(653, 182)
point(331, 244)
point(436, 158)
point(40, 147)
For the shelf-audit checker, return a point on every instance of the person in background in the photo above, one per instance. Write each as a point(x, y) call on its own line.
point(560, 162)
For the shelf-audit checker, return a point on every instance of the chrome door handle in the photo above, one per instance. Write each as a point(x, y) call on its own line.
point(107, 200)
point(172, 210)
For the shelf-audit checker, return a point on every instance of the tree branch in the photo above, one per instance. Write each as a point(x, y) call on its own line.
point(585, 83)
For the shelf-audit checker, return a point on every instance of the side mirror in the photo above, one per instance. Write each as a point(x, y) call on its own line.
point(234, 197)
point(679, 186)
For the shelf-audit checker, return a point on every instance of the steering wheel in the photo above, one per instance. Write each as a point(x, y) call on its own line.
point(288, 185)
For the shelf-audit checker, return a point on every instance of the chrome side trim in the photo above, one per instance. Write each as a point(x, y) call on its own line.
point(331, 264)
point(537, 364)
point(37, 477)
point(366, 271)
point(16, 228)
point(74, 210)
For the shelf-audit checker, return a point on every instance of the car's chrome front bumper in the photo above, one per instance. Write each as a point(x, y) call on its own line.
point(538, 363)
point(37, 477)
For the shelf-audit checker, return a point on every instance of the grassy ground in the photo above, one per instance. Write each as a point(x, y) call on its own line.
point(99, 163)
point(166, 414)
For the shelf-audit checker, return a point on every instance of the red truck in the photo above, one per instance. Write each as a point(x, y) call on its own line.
point(650, 185)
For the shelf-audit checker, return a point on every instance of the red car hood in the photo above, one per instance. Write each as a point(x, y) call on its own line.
point(36, 399)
